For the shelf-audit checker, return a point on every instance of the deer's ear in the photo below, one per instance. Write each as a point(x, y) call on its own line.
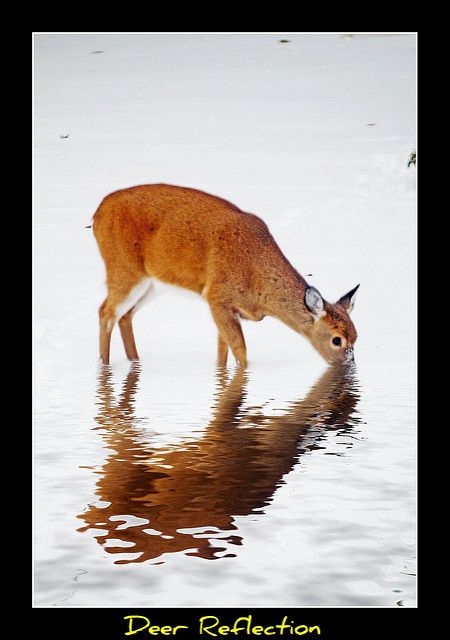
point(348, 301)
point(314, 302)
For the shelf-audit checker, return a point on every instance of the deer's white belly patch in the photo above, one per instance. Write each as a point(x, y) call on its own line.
point(145, 289)
point(137, 294)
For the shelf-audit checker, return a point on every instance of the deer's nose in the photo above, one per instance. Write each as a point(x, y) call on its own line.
point(349, 355)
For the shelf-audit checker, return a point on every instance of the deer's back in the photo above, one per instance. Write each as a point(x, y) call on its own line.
point(182, 236)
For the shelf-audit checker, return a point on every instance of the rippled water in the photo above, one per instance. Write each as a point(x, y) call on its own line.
point(168, 483)
point(270, 499)
point(156, 500)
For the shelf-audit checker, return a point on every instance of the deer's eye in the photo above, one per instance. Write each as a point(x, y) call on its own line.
point(336, 341)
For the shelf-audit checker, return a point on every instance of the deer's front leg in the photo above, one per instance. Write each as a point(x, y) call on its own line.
point(222, 351)
point(230, 333)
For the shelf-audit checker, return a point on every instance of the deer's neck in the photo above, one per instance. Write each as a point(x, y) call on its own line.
point(285, 296)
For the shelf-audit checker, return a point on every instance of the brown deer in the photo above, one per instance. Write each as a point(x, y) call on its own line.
point(197, 241)
point(187, 497)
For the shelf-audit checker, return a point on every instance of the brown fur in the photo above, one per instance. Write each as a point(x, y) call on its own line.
point(198, 241)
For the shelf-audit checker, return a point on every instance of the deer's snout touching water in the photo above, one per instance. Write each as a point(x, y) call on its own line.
point(200, 242)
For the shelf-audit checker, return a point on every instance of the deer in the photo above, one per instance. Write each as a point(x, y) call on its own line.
point(230, 471)
point(197, 241)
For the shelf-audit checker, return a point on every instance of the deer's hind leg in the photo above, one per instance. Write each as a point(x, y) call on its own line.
point(120, 305)
point(107, 322)
point(126, 331)
point(126, 321)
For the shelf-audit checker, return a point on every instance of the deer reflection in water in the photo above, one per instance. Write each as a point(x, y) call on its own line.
point(188, 497)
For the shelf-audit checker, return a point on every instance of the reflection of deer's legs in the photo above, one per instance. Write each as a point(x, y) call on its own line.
point(229, 398)
point(117, 411)
point(230, 331)
point(129, 388)
point(105, 390)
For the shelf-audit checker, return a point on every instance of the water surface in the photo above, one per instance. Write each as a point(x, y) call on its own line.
point(169, 483)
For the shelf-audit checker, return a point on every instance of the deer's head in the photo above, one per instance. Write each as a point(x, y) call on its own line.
point(331, 332)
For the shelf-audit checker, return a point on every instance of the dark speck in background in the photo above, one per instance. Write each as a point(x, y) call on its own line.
point(309, 274)
point(370, 124)
point(400, 603)
point(97, 51)
point(66, 136)
point(283, 40)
